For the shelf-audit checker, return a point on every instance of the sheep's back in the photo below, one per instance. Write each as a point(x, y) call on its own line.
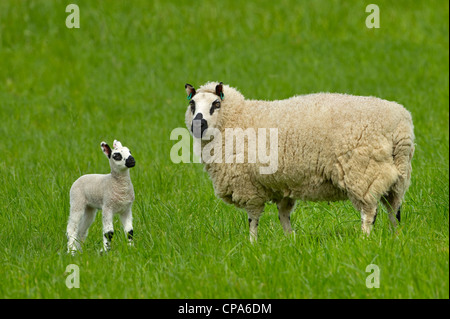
point(319, 134)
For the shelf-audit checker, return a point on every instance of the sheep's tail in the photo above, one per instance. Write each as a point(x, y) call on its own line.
point(403, 151)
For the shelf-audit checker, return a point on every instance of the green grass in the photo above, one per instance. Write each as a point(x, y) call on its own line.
point(121, 76)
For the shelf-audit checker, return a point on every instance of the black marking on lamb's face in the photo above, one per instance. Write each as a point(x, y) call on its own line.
point(215, 105)
point(192, 104)
point(117, 156)
point(130, 162)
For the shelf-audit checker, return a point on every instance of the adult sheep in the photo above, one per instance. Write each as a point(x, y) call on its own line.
point(330, 147)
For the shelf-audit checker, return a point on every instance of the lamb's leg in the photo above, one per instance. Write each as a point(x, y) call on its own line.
point(253, 219)
point(127, 222)
point(73, 244)
point(108, 229)
point(86, 222)
point(285, 207)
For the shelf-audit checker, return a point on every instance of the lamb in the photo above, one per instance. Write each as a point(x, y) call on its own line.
point(331, 147)
point(112, 193)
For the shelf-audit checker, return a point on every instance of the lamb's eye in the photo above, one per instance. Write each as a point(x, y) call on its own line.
point(117, 156)
point(192, 104)
point(214, 106)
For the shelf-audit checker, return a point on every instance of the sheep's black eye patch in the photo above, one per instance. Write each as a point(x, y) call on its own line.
point(117, 156)
point(214, 106)
point(192, 104)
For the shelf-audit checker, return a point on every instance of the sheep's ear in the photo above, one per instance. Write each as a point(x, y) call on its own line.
point(219, 90)
point(106, 149)
point(117, 144)
point(189, 90)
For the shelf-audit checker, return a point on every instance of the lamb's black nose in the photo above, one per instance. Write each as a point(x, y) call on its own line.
point(199, 125)
point(130, 162)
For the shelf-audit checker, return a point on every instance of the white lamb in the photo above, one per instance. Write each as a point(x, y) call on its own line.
point(112, 193)
point(330, 147)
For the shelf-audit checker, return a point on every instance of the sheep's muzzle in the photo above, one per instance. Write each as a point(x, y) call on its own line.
point(199, 125)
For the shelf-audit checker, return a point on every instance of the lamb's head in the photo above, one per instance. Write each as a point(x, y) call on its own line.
point(119, 157)
point(204, 109)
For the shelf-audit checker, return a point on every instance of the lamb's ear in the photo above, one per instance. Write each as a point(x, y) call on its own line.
point(219, 90)
point(106, 149)
point(189, 90)
point(117, 144)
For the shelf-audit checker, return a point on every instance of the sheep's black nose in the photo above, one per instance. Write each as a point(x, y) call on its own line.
point(130, 162)
point(199, 125)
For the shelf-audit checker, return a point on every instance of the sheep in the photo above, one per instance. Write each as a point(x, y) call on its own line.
point(112, 193)
point(331, 147)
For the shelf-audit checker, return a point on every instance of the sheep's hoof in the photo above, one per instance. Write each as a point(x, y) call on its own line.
point(291, 235)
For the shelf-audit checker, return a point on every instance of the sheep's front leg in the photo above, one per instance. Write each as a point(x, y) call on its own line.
point(253, 221)
point(127, 221)
point(108, 229)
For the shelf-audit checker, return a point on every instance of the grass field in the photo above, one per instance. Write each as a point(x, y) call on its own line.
point(121, 75)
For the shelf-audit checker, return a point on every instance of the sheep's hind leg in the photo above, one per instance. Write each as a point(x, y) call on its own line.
point(393, 204)
point(368, 217)
point(368, 214)
point(285, 207)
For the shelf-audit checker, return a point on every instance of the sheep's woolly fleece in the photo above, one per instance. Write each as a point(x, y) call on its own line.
point(331, 147)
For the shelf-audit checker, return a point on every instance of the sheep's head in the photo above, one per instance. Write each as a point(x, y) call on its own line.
point(120, 157)
point(204, 110)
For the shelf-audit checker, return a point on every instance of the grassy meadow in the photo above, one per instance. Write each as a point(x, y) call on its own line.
point(121, 76)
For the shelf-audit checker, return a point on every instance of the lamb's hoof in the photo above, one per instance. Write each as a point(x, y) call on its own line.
point(104, 250)
point(72, 252)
